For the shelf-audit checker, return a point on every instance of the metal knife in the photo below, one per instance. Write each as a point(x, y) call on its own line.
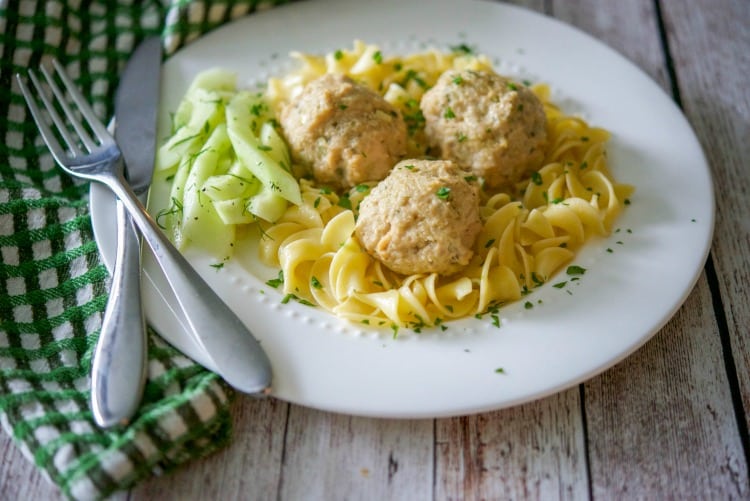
point(119, 361)
point(236, 355)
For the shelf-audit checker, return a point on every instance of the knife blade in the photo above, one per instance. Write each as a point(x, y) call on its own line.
point(119, 360)
point(136, 108)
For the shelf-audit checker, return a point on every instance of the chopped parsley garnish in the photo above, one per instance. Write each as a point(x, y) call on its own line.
point(377, 57)
point(338, 55)
point(535, 278)
point(536, 178)
point(394, 328)
point(413, 75)
point(443, 193)
point(462, 48)
point(300, 300)
point(414, 121)
point(345, 202)
point(575, 270)
point(218, 266)
point(316, 283)
point(275, 282)
point(449, 113)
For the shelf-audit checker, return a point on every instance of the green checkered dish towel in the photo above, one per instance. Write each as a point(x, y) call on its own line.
point(53, 285)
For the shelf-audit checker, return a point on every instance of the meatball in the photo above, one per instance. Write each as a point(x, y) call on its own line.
point(486, 123)
point(345, 132)
point(422, 218)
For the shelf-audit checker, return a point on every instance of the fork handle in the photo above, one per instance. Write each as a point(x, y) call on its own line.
point(236, 354)
point(119, 369)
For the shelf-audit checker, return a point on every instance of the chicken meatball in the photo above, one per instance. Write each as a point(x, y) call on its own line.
point(344, 132)
point(486, 123)
point(422, 218)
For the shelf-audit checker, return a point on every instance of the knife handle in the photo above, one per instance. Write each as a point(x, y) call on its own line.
point(234, 351)
point(118, 372)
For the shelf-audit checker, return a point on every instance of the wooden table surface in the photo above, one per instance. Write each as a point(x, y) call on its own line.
point(671, 421)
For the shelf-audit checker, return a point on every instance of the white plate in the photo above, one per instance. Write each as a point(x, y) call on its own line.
point(570, 334)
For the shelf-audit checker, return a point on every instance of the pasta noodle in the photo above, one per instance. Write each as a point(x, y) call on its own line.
point(526, 238)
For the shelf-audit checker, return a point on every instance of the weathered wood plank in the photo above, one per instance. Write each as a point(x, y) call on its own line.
point(534, 451)
point(661, 423)
point(332, 456)
point(710, 44)
point(19, 479)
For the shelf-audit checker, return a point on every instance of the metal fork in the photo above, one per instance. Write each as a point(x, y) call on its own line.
point(92, 154)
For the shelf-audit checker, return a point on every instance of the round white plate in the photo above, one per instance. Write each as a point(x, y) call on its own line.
point(635, 280)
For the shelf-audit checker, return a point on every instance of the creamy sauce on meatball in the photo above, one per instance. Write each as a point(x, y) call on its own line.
point(422, 218)
point(486, 123)
point(344, 132)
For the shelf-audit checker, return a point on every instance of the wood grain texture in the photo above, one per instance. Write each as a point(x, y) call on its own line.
point(661, 424)
point(19, 479)
point(336, 457)
point(533, 451)
point(710, 44)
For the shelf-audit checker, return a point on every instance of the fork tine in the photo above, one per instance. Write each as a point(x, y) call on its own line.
point(49, 137)
point(83, 134)
point(83, 105)
point(54, 115)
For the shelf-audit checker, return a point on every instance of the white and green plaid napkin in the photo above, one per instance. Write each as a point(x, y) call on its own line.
point(53, 285)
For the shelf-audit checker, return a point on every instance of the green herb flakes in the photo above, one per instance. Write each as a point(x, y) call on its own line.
point(275, 282)
point(443, 193)
point(575, 270)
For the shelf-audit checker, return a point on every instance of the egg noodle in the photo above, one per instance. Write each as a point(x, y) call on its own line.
point(526, 237)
